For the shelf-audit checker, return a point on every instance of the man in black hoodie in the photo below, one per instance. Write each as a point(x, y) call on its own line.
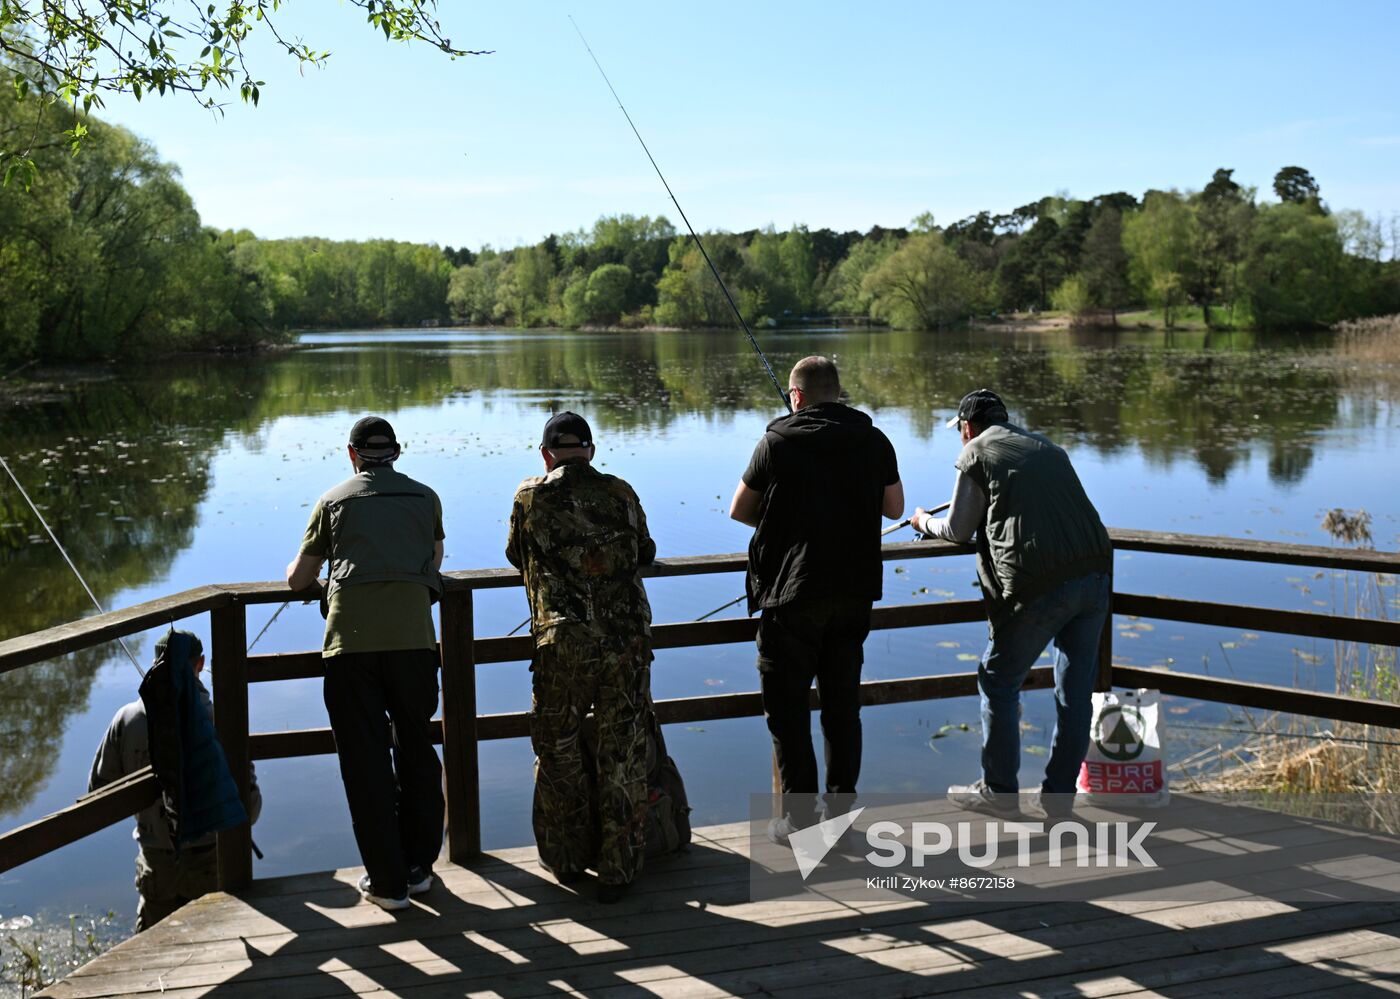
point(815, 489)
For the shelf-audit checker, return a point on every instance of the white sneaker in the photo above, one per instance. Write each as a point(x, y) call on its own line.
point(978, 797)
point(780, 829)
point(391, 904)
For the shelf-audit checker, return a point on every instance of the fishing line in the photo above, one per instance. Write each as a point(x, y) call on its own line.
point(693, 234)
point(64, 552)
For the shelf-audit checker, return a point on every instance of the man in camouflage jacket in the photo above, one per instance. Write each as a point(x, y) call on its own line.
point(579, 538)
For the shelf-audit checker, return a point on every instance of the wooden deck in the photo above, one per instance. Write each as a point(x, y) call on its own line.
point(504, 929)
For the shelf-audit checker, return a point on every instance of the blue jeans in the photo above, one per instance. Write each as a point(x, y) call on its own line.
point(1072, 616)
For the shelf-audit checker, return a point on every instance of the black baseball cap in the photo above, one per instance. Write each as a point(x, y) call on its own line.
point(373, 437)
point(566, 424)
point(982, 407)
point(195, 646)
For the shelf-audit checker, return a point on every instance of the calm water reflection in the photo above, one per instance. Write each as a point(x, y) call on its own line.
point(168, 476)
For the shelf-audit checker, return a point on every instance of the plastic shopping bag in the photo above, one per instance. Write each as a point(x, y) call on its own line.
point(1124, 764)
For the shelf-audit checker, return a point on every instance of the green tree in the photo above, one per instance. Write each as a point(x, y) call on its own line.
point(923, 285)
point(1296, 186)
point(1073, 296)
point(1296, 274)
point(1104, 263)
point(1224, 214)
point(522, 290)
point(1032, 266)
point(1159, 241)
point(606, 295)
point(471, 291)
point(842, 292)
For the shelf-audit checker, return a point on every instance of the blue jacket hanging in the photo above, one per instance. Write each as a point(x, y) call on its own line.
point(200, 795)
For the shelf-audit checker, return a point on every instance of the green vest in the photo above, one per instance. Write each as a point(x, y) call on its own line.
point(1040, 528)
point(382, 530)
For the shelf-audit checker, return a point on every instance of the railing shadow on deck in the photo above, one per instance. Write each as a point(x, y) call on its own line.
point(461, 728)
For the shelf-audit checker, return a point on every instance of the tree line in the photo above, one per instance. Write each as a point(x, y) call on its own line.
point(1241, 261)
point(105, 256)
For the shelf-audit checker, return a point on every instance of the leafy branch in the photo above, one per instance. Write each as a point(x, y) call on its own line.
point(77, 51)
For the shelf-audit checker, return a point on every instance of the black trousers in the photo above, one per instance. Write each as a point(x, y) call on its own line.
point(823, 640)
point(380, 705)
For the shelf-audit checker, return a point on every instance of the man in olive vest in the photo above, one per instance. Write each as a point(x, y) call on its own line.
point(815, 489)
point(1043, 559)
point(382, 534)
point(579, 539)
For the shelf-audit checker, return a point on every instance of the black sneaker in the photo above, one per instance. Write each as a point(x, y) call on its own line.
point(420, 879)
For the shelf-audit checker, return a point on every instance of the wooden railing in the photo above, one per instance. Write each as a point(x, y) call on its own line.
point(461, 729)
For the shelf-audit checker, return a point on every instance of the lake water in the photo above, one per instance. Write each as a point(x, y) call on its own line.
point(170, 475)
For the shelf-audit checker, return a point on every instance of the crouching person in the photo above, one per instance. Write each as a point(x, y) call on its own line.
point(166, 878)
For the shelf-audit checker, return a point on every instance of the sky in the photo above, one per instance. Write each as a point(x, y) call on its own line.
point(841, 115)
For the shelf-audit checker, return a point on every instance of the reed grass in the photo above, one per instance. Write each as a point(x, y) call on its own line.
point(1304, 765)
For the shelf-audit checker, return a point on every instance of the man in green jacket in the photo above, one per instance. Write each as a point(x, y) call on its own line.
point(382, 534)
point(1043, 559)
point(579, 538)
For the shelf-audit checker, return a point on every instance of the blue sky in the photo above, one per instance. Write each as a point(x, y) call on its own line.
point(841, 115)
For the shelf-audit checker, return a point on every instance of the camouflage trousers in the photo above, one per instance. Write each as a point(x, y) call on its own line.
point(577, 826)
point(166, 883)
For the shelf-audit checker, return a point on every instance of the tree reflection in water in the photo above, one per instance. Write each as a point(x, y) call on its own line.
point(121, 466)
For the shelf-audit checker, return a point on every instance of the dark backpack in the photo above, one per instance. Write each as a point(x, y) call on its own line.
point(668, 808)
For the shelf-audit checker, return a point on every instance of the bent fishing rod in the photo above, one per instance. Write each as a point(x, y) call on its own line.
point(753, 342)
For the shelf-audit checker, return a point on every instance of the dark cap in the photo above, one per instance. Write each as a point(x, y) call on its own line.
point(566, 425)
point(193, 646)
point(983, 407)
point(373, 437)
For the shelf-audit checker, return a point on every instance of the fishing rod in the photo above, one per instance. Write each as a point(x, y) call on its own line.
point(64, 552)
point(275, 615)
point(909, 520)
point(888, 530)
point(787, 404)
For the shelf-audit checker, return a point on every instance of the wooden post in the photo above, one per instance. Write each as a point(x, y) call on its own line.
point(228, 628)
point(459, 746)
point(1105, 678)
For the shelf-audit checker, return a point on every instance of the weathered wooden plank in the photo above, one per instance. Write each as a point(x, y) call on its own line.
point(104, 627)
point(228, 633)
point(710, 707)
point(272, 666)
point(64, 638)
point(674, 948)
point(1251, 550)
point(91, 813)
point(1349, 629)
point(735, 630)
point(1260, 695)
